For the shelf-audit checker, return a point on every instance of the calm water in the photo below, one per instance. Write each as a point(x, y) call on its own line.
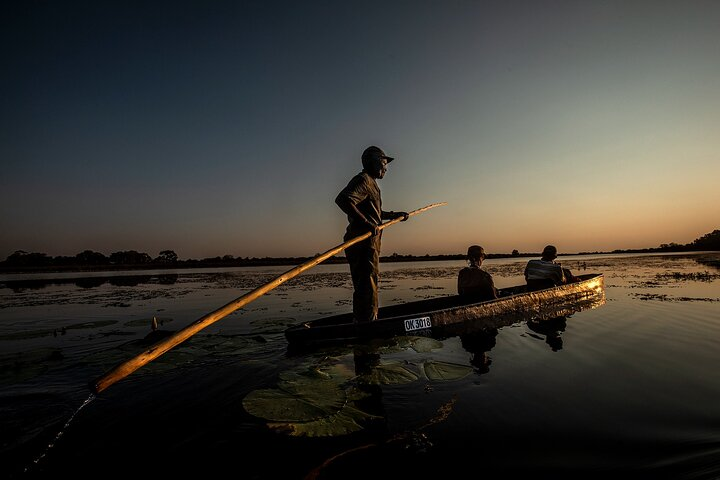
point(631, 387)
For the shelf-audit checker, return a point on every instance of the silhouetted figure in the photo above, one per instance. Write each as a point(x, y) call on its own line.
point(552, 329)
point(478, 344)
point(361, 201)
point(474, 283)
point(546, 272)
point(366, 359)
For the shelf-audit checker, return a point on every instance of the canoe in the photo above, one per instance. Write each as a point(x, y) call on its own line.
point(454, 315)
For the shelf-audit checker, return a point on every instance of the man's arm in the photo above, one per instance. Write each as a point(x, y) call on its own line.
point(351, 210)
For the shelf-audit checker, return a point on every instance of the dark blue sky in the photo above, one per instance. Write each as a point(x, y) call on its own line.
point(214, 128)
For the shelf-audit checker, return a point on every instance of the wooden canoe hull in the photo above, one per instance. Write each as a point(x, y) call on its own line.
point(452, 315)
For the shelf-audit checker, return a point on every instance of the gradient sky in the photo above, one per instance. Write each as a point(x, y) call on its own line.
point(213, 128)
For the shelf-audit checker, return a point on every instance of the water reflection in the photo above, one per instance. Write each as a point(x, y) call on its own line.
point(366, 359)
point(479, 344)
point(90, 282)
point(672, 397)
point(551, 329)
point(709, 261)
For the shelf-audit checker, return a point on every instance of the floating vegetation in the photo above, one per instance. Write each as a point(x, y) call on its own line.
point(415, 273)
point(667, 298)
point(428, 287)
point(321, 399)
point(390, 373)
point(384, 346)
point(675, 279)
point(308, 405)
point(692, 276)
point(409, 440)
point(649, 284)
point(420, 344)
point(443, 371)
point(113, 296)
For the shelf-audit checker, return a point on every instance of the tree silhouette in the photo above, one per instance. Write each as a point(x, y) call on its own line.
point(88, 257)
point(709, 241)
point(166, 256)
point(130, 257)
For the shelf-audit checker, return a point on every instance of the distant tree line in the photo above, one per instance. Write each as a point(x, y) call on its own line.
point(90, 260)
point(22, 258)
point(708, 242)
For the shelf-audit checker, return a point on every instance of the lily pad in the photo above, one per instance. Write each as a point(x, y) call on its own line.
point(314, 401)
point(302, 400)
point(445, 371)
point(345, 421)
point(425, 344)
point(322, 399)
point(391, 373)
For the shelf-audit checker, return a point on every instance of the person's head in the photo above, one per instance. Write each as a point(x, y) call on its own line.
point(549, 253)
point(375, 161)
point(475, 254)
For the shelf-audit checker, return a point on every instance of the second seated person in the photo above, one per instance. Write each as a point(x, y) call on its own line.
point(546, 272)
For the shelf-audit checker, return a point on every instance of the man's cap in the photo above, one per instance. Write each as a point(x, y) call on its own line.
point(376, 152)
point(475, 251)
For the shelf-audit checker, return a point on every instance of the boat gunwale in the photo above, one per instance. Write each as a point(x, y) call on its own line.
point(500, 307)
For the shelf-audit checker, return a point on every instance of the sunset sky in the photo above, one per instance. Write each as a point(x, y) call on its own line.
point(218, 127)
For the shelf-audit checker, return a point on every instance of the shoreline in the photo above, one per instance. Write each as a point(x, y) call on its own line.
point(287, 261)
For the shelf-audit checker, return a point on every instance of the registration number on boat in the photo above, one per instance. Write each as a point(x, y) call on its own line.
point(417, 323)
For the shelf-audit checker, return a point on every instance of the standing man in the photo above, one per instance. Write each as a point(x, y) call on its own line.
point(362, 203)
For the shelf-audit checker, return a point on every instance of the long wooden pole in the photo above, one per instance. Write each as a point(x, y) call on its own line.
point(124, 369)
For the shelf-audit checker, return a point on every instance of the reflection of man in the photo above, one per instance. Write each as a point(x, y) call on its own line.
point(478, 344)
point(366, 360)
point(361, 201)
point(551, 328)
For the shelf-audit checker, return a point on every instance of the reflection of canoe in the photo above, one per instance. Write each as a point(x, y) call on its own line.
point(452, 315)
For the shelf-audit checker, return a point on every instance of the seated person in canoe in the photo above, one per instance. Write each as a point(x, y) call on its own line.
point(473, 282)
point(546, 272)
